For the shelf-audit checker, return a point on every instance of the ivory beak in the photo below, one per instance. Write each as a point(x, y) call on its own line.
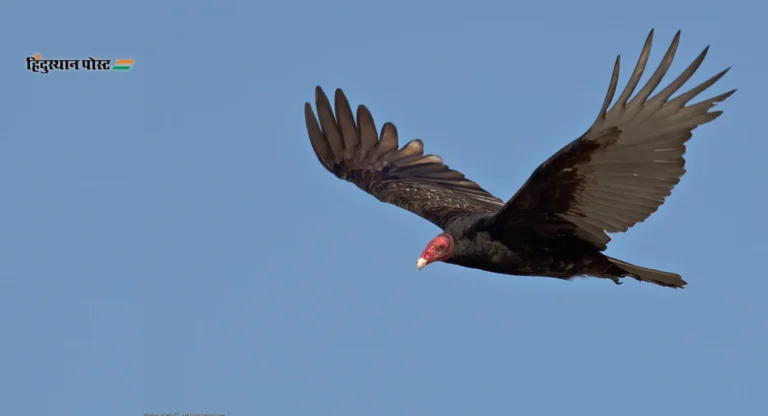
point(421, 262)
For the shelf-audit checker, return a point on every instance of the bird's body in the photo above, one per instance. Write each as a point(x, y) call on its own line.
point(525, 251)
point(610, 178)
point(519, 251)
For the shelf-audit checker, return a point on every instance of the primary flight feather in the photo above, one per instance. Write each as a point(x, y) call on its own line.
point(615, 175)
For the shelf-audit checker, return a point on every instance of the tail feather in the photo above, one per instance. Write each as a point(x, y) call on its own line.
point(649, 275)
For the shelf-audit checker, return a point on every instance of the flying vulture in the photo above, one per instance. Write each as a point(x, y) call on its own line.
point(614, 176)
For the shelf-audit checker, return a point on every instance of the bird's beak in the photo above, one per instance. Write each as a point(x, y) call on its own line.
point(421, 262)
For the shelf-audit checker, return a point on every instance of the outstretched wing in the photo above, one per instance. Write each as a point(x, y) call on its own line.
point(621, 170)
point(406, 177)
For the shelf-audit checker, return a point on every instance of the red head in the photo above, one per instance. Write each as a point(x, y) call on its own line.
point(439, 249)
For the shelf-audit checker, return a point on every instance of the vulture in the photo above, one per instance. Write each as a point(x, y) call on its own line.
point(557, 225)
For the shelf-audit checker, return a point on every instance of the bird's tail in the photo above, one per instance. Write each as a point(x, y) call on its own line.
point(649, 275)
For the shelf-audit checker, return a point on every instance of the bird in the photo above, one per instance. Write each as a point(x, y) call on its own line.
point(558, 224)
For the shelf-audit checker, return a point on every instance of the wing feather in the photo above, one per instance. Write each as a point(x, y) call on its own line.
point(406, 177)
point(627, 163)
point(369, 137)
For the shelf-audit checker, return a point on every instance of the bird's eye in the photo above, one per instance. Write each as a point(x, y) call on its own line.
point(441, 246)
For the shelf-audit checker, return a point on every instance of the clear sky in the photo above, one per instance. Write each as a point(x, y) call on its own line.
point(169, 242)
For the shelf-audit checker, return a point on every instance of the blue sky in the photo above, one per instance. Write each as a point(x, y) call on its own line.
point(170, 243)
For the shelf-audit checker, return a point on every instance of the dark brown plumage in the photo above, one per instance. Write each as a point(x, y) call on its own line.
point(615, 175)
